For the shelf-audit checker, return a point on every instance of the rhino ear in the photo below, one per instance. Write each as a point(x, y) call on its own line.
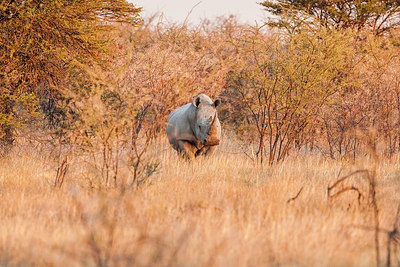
point(196, 102)
point(217, 103)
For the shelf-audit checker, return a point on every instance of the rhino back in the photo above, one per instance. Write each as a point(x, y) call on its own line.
point(179, 124)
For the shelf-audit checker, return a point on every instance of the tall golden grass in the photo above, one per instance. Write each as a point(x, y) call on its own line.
point(219, 211)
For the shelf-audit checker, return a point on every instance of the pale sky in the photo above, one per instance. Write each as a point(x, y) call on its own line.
point(177, 10)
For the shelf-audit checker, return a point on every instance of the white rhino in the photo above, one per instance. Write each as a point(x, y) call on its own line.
point(194, 129)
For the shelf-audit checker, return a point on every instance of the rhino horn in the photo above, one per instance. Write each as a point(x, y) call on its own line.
point(212, 138)
point(213, 130)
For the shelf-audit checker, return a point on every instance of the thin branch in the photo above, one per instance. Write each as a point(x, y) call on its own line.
point(295, 197)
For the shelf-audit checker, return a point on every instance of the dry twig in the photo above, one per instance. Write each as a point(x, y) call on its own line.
point(296, 196)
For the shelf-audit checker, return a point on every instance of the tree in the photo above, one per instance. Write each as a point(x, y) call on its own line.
point(282, 83)
point(366, 116)
point(378, 16)
point(41, 42)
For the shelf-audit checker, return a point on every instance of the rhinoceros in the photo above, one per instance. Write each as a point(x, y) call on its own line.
point(194, 129)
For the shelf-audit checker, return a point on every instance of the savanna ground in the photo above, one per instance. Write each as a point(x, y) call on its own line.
point(219, 211)
point(307, 173)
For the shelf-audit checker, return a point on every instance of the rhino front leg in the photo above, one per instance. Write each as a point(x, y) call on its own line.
point(206, 151)
point(186, 150)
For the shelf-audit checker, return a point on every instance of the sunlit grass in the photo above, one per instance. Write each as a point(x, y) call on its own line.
point(219, 211)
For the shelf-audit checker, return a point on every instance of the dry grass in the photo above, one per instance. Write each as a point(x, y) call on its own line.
point(222, 211)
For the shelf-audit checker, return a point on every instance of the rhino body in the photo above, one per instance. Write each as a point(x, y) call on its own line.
point(194, 129)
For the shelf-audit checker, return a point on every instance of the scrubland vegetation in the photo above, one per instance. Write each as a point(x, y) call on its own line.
point(217, 211)
point(307, 172)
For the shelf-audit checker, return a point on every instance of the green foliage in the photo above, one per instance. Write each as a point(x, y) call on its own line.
point(378, 16)
point(16, 108)
point(283, 81)
point(41, 42)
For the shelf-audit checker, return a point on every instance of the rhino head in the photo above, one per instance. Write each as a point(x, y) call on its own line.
point(205, 122)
